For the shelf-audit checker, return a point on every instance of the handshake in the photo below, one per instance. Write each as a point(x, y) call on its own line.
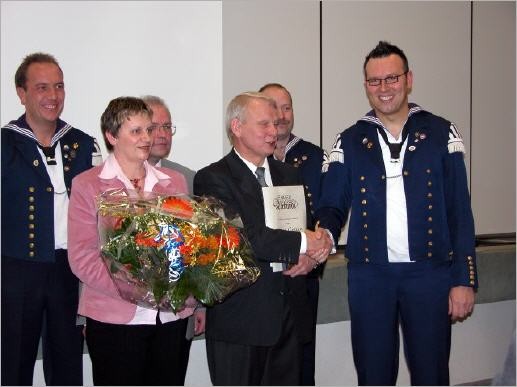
point(319, 246)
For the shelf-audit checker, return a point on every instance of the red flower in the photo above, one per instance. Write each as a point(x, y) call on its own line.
point(179, 207)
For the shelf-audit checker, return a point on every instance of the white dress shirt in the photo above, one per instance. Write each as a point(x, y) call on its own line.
point(396, 210)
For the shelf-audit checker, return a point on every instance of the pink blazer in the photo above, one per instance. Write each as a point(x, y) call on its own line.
point(99, 298)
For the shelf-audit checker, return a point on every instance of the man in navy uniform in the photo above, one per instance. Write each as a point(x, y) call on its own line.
point(411, 250)
point(308, 158)
point(40, 156)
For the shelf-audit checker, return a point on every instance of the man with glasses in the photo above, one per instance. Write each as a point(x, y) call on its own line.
point(162, 138)
point(163, 130)
point(400, 172)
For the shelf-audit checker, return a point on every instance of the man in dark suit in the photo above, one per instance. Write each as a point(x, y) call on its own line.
point(162, 135)
point(256, 336)
point(41, 154)
point(308, 159)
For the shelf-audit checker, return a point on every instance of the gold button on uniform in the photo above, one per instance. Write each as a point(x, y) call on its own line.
point(31, 208)
point(363, 201)
point(31, 189)
point(363, 190)
point(429, 195)
point(31, 254)
point(406, 173)
point(31, 236)
point(383, 177)
point(31, 245)
point(361, 178)
point(429, 255)
point(31, 199)
point(31, 217)
point(49, 189)
point(428, 170)
point(31, 226)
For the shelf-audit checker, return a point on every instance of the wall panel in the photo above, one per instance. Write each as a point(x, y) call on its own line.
point(493, 117)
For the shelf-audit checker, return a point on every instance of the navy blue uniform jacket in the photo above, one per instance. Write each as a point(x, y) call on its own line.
point(27, 192)
point(440, 221)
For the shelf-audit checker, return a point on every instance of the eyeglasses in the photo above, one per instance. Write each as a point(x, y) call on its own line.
point(168, 128)
point(388, 80)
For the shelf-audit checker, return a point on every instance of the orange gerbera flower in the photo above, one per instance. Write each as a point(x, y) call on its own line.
point(179, 207)
point(231, 239)
point(144, 239)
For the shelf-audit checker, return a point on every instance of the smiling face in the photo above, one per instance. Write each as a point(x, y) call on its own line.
point(133, 141)
point(390, 101)
point(255, 136)
point(43, 95)
point(162, 139)
point(284, 109)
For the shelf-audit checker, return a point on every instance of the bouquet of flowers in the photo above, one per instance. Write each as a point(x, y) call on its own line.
point(160, 250)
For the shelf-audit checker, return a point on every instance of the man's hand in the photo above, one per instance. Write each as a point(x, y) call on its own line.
point(305, 264)
point(461, 302)
point(199, 321)
point(319, 244)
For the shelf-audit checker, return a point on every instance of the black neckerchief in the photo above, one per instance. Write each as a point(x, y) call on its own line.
point(395, 148)
point(50, 153)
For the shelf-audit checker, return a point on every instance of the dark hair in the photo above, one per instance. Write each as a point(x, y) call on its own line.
point(20, 78)
point(119, 110)
point(384, 49)
point(278, 86)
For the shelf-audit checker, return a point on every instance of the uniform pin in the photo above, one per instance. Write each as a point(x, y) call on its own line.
point(417, 134)
point(369, 145)
point(35, 163)
point(422, 136)
point(75, 145)
point(72, 154)
point(365, 140)
point(66, 147)
point(304, 157)
point(412, 148)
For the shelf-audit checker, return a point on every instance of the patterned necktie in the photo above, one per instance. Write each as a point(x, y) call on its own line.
point(260, 176)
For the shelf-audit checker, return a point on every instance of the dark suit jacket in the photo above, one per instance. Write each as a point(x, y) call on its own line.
point(253, 315)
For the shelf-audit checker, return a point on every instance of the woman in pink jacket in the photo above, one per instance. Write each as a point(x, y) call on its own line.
point(128, 345)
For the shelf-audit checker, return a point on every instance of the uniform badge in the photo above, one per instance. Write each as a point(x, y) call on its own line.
point(35, 163)
point(411, 148)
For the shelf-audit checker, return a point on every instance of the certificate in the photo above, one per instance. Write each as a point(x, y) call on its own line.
point(284, 208)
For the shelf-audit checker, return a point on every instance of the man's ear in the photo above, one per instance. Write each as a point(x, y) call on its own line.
point(235, 126)
point(21, 94)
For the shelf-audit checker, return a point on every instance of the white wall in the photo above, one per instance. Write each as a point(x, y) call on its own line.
point(112, 48)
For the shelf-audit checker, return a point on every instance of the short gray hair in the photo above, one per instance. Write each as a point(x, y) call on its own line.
point(155, 100)
point(237, 108)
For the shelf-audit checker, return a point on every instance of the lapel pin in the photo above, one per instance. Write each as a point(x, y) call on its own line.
point(369, 145)
point(412, 148)
point(422, 136)
point(35, 163)
point(66, 147)
point(75, 145)
point(365, 140)
point(304, 157)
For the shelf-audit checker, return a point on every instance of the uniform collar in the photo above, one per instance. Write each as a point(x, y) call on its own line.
point(22, 127)
point(370, 117)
